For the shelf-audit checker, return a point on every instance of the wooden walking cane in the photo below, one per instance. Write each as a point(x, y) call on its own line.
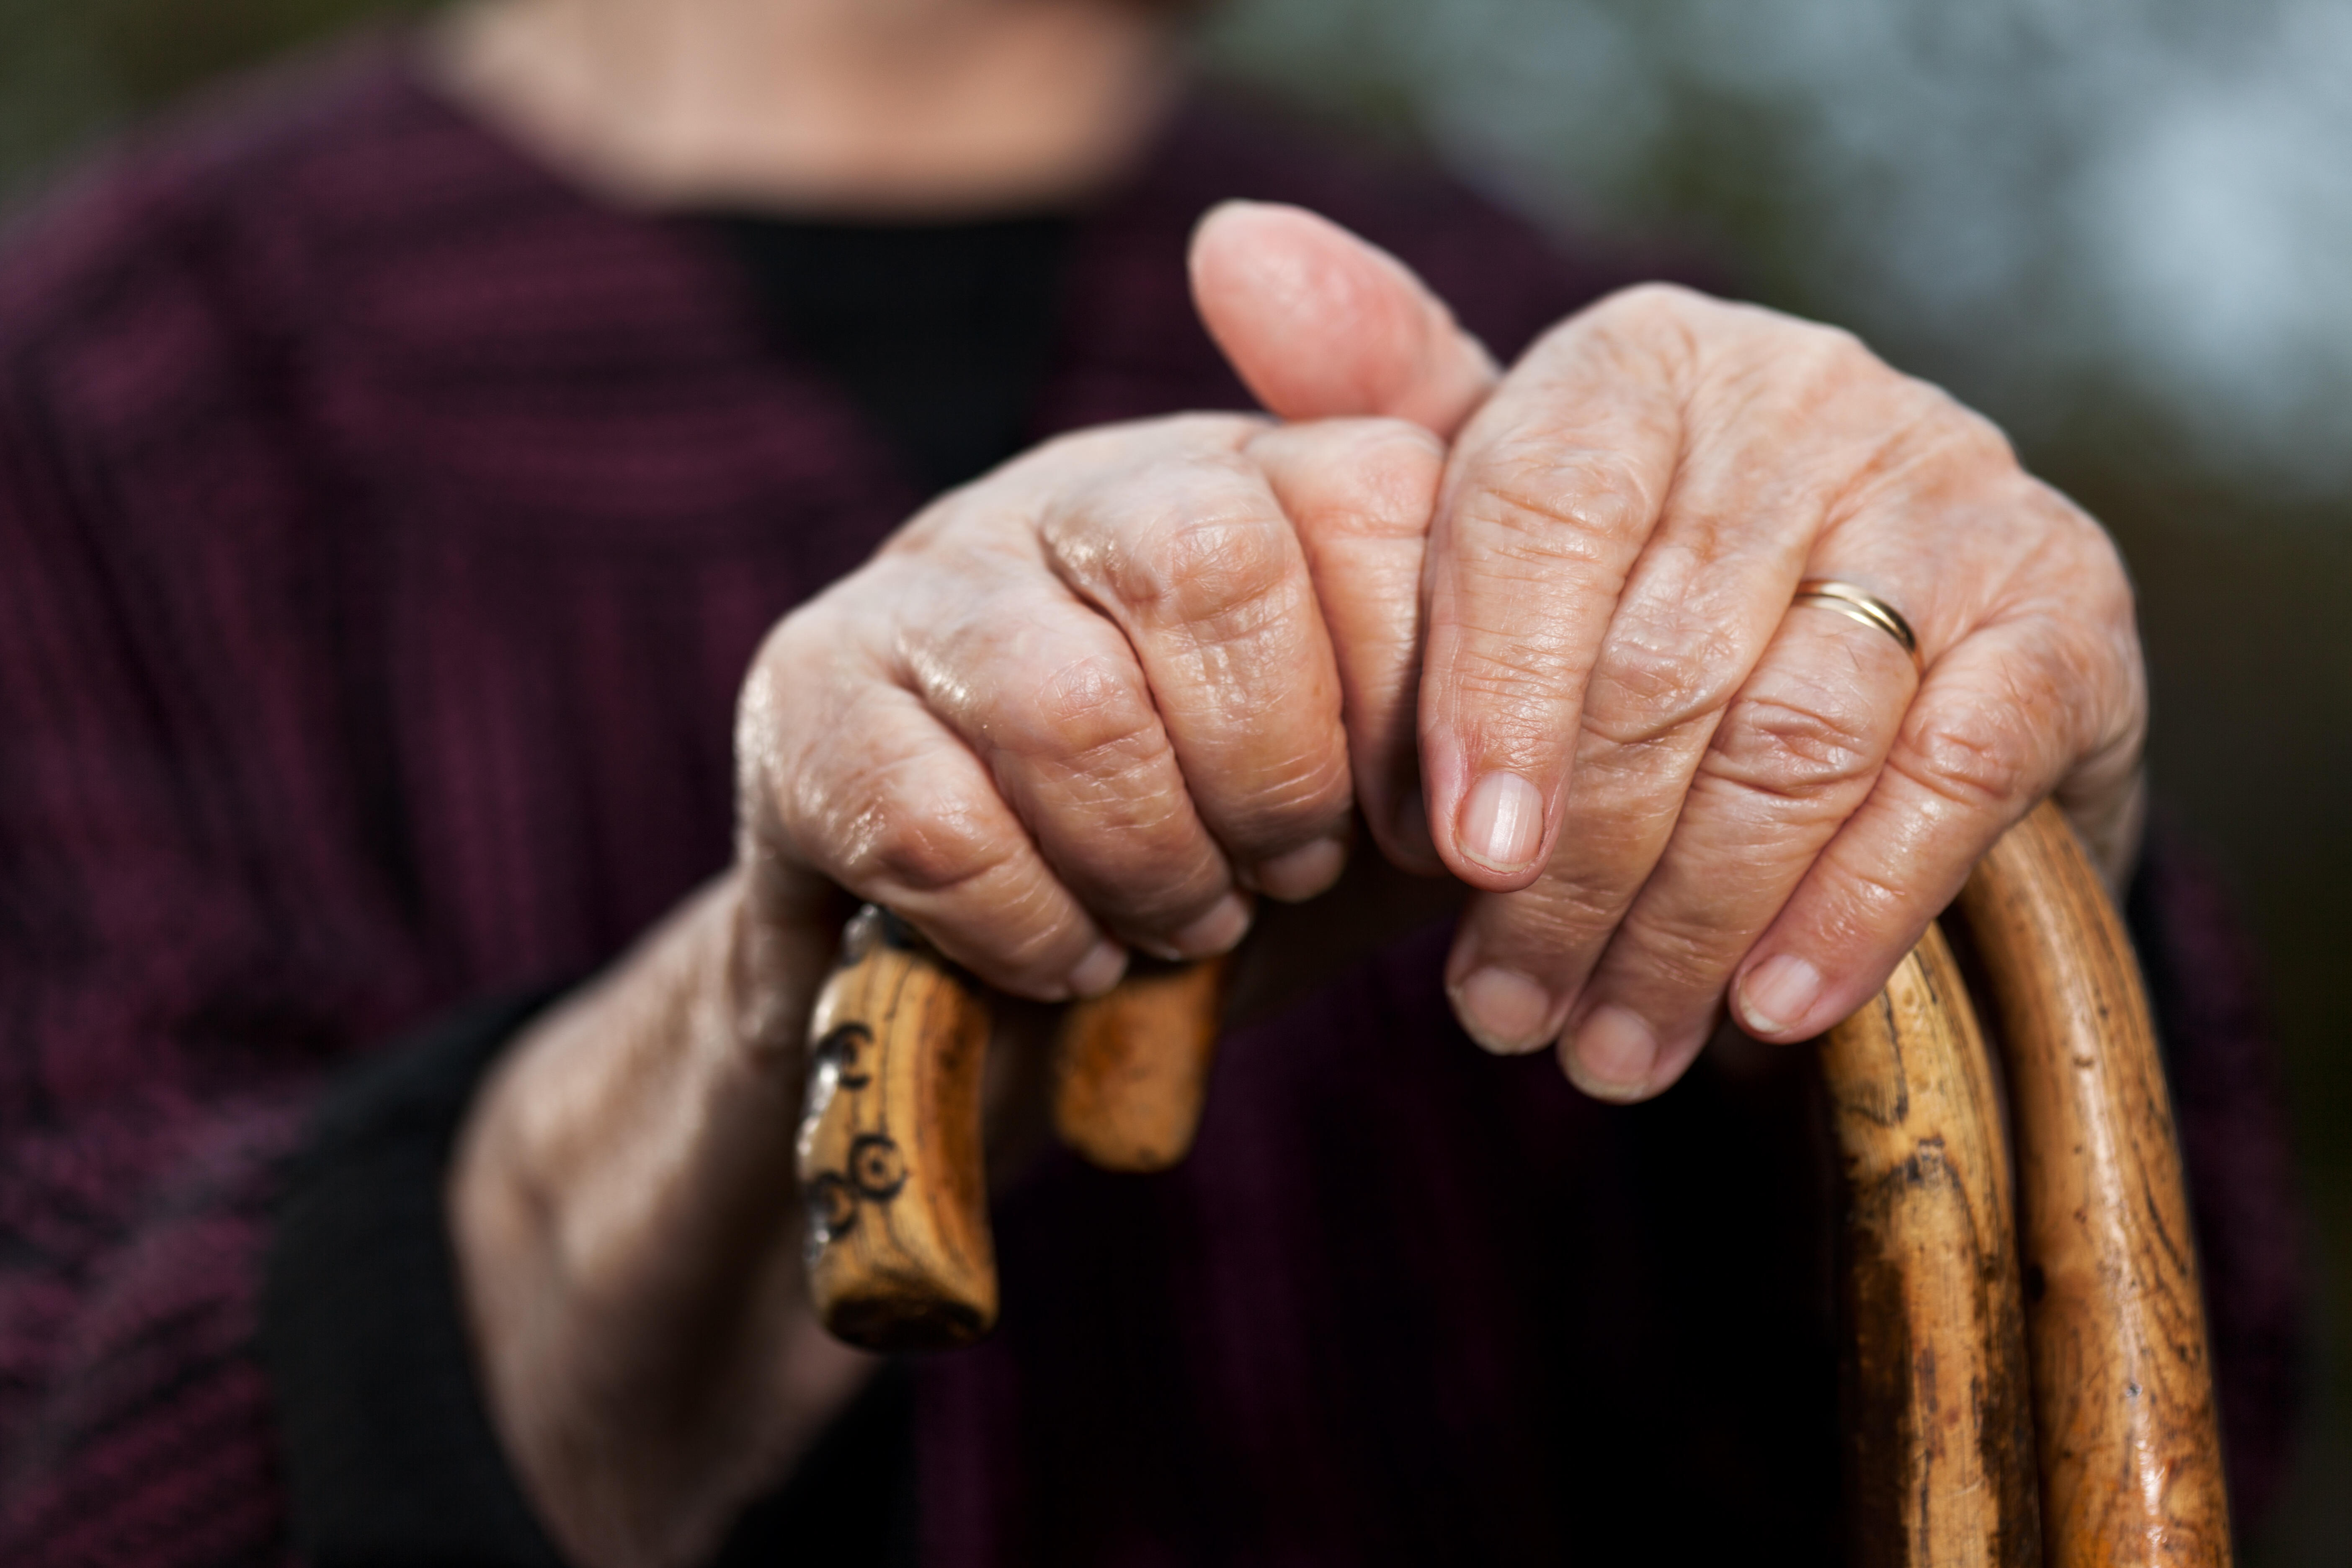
point(2017, 1393)
point(890, 1157)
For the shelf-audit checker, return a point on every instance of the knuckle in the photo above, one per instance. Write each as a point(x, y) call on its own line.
point(1093, 713)
point(1222, 570)
point(1652, 299)
point(1301, 788)
point(1800, 746)
point(1664, 314)
point(1831, 352)
point(1685, 330)
point(1970, 436)
point(1568, 914)
point(1157, 898)
point(1139, 854)
point(1018, 681)
point(1520, 696)
point(1867, 900)
point(1969, 755)
point(2096, 687)
point(1808, 360)
point(1389, 477)
point(802, 674)
point(1540, 503)
point(1655, 680)
point(1134, 821)
point(2081, 563)
point(1555, 930)
point(1685, 953)
point(902, 825)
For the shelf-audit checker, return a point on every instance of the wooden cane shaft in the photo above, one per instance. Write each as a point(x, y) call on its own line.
point(890, 1160)
point(2123, 1385)
point(1938, 1414)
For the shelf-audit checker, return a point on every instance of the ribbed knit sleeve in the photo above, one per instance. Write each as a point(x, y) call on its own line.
point(171, 978)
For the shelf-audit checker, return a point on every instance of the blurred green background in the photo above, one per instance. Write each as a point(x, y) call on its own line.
point(2123, 229)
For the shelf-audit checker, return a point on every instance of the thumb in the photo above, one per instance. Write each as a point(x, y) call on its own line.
point(1321, 325)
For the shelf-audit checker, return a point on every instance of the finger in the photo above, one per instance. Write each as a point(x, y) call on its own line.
point(1048, 696)
point(1751, 499)
point(1795, 756)
point(1666, 706)
point(855, 778)
point(1997, 725)
point(1359, 493)
point(1554, 488)
point(1320, 323)
point(1189, 552)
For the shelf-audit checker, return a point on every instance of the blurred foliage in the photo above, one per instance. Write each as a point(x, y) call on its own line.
point(1958, 182)
point(2043, 203)
point(70, 72)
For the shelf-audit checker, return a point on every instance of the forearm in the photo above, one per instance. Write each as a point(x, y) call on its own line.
point(628, 1237)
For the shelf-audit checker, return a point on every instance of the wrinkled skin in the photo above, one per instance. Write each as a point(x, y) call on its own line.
point(1090, 701)
point(1095, 697)
point(1669, 782)
point(1535, 626)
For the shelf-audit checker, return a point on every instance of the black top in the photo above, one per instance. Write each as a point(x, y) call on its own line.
point(940, 333)
point(390, 1457)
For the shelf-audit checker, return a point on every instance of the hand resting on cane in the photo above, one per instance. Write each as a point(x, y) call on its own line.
point(1083, 705)
point(1671, 780)
point(1099, 701)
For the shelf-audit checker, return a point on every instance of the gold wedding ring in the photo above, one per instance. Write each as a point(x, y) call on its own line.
point(1868, 608)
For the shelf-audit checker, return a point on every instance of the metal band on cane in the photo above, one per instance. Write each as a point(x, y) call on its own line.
point(1866, 607)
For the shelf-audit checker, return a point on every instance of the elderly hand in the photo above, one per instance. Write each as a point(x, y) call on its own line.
point(1089, 702)
point(1671, 782)
point(1083, 704)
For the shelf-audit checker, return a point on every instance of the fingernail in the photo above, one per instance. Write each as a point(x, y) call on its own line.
point(1099, 969)
point(1613, 1055)
point(1227, 921)
point(1304, 872)
point(1502, 822)
point(1504, 1011)
point(1778, 994)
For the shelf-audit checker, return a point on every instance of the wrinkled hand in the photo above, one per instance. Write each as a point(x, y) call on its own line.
point(1089, 702)
point(1671, 784)
point(1084, 704)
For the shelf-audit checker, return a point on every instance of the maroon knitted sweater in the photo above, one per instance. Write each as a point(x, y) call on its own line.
point(385, 528)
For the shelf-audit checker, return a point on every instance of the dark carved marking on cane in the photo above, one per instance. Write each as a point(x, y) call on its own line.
point(877, 1167)
point(839, 1050)
point(832, 1209)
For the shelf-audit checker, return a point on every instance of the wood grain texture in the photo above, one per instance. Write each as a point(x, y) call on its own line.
point(1938, 1415)
point(1132, 1068)
point(890, 1158)
point(2123, 1383)
point(1948, 1427)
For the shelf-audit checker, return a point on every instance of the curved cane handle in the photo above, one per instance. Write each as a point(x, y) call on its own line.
point(891, 1160)
point(1938, 1415)
point(2123, 1383)
point(2122, 1440)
